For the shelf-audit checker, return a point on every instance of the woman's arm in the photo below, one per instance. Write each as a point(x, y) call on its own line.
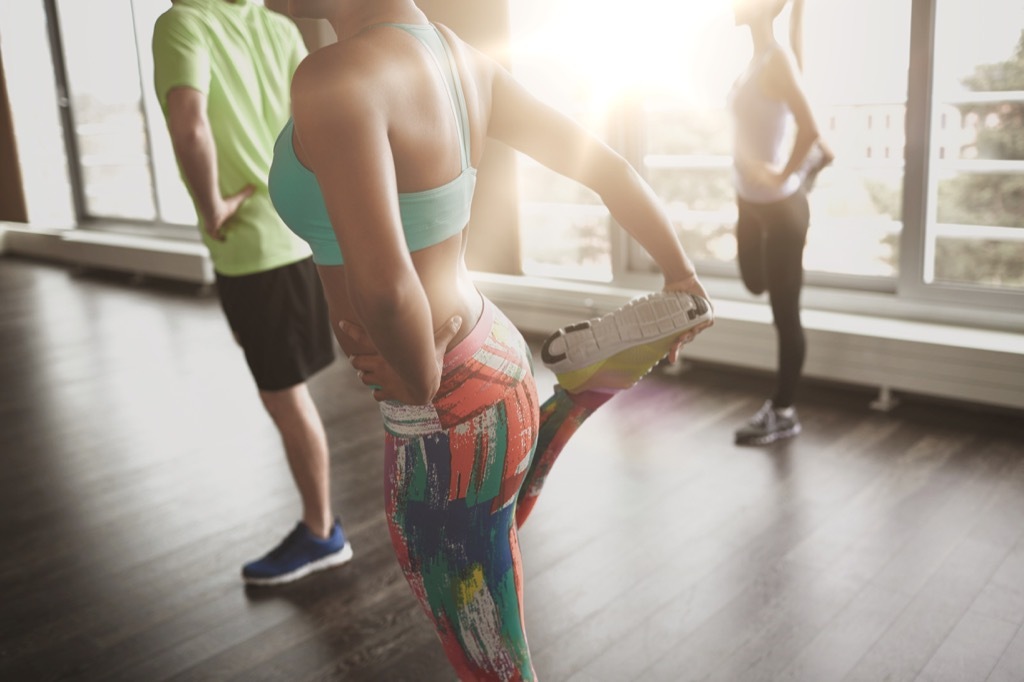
point(525, 123)
point(782, 78)
point(343, 132)
point(796, 43)
point(796, 32)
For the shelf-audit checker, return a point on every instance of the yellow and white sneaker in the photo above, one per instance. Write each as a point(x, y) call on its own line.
point(614, 351)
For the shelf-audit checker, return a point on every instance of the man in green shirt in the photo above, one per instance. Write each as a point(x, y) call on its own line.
point(223, 71)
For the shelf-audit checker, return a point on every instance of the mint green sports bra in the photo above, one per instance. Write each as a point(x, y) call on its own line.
point(428, 217)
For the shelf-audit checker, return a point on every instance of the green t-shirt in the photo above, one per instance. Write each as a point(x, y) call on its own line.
point(242, 57)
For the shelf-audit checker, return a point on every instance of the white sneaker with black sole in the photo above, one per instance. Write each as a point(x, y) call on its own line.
point(615, 351)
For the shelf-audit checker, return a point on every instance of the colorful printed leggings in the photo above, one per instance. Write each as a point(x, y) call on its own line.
point(460, 478)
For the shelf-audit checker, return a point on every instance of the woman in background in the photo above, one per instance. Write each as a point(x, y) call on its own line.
point(771, 195)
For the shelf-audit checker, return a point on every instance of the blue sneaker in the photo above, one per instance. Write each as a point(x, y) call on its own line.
point(302, 552)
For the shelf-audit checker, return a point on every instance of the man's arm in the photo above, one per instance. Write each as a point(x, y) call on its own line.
point(194, 148)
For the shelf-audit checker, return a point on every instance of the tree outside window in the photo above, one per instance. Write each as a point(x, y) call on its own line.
point(977, 236)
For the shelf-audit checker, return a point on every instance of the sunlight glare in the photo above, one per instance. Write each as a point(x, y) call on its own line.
point(608, 56)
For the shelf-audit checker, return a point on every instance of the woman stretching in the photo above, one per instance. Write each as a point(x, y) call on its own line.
point(771, 188)
point(376, 171)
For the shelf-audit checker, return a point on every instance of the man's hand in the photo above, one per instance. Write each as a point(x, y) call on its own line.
point(374, 371)
point(196, 151)
point(223, 210)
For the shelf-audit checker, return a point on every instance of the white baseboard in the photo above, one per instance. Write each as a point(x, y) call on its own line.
point(186, 261)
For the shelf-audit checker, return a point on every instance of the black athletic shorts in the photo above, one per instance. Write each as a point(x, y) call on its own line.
point(279, 317)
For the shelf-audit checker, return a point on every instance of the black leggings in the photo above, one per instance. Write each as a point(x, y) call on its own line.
point(770, 241)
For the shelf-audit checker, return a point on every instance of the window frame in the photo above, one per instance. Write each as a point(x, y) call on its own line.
point(84, 218)
point(919, 212)
point(909, 285)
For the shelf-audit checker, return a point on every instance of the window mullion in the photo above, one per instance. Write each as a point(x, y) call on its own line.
point(913, 239)
point(66, 113)
point(145, 116)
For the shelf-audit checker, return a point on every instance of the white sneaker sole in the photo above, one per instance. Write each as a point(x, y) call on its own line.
point(330, 561)
point(626, 343)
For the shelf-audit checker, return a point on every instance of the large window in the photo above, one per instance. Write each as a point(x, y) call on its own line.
point(565, 228)
point(859, 104)
point(122, 159)
point(656, 89)
point(624, 80)
point(975, 228)
point(32, 96)
point(660, 87)
point(922, 100)
point(81, 80)
point(94, 145)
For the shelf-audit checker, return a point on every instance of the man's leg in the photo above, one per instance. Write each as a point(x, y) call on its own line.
point(305, 445)
point(318, 541)
point(280, 319)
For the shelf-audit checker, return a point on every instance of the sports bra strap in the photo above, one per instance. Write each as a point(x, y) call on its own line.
point(463, 109)
point(452, 81)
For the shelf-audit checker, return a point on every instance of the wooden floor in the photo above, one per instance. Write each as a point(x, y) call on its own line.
point(139, 472)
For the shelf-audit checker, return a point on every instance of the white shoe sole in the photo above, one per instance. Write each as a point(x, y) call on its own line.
point(650, 318)
point(330, 561)
point(616, 350)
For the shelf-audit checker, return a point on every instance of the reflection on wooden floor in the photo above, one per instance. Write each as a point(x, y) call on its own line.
point(139, 473)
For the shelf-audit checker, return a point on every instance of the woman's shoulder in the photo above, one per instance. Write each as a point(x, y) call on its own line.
point(480, 63)
point(335, 68)
point(453, 40)
point(775, 69)
point(779, 60)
